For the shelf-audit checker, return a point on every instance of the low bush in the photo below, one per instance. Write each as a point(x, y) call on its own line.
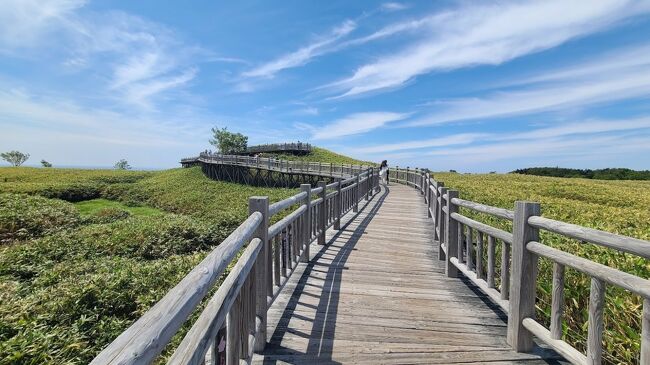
point(23, 216)
point(70, 313)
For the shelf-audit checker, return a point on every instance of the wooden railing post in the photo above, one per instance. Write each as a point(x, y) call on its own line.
point(408, 175)
point(338, 206)
point(367, 184)
point(306, 221)
point(321, 213)
point(263, 267)
point(451, 234)
point(429, 196)
point(523, 278)
point(356, 195)
point(645, 332)
point(439, 218)
point(422, 180)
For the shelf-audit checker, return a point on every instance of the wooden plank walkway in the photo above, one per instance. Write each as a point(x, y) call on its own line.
point(377, 294)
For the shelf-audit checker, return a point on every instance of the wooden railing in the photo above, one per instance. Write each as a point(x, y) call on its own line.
point(280, 147)
point(462, 243)
point(274, 164)
point(239, 306)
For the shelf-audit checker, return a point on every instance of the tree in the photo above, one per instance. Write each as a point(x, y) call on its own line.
point(122, 165)
point(228, 142)
point(45, 163)
point(15, 158)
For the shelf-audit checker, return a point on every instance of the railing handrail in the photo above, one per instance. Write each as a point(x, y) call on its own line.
point(145, 339)
point(291, 166)
point(517, 296)
point(280, 147)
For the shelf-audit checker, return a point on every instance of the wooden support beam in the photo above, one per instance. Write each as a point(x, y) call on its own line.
point(524, 277)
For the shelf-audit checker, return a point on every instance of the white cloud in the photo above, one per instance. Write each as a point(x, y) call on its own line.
point(302, 55)
point(489, 34)
point(24, 22)
point(590, 127)
point(393, 6)
point(356, 123)
point(456, 139)
point(138, 59)
point(567, 91)
point(310, 110)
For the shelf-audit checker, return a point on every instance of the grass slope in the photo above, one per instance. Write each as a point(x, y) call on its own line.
point(74, 276)
point(321, 155)
point(615, 206)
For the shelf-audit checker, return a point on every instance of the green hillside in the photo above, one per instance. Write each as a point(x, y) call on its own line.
point(321, 155)
point(84, 253)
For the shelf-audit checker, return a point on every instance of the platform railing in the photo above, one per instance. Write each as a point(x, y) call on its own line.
point(274, 164)
point(463, 243)
point(233, 322)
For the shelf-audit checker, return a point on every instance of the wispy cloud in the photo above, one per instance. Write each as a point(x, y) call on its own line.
point(139, 59)
point(456, 139)
point(356, 123)
point(607, 80)
point(589, 127)
point(24, 22)
point(304, 54)
point(595, 143)
point(393, 6)
point(489, 34)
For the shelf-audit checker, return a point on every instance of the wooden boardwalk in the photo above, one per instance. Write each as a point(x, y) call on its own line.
point(377, 294)
point(373, 290)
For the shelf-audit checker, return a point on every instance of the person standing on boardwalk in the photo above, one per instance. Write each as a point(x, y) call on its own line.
point(383, 171)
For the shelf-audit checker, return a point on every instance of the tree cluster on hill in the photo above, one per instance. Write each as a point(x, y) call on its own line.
point(228, 142)
point(599, 174)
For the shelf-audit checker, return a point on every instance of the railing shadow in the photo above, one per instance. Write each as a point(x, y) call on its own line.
point(321, 338)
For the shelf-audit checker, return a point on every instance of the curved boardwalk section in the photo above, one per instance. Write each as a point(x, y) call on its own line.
point(377, 294)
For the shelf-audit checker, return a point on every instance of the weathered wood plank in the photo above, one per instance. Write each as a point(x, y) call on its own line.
point(377, 294)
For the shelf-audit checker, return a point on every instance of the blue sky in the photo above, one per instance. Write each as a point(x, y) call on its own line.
point(474, 86)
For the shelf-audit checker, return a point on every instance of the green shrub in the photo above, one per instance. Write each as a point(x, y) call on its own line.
point(24, 216)
point(78, 308)
point(145, 238)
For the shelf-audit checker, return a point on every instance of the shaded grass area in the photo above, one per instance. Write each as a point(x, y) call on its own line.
point(95, 206)
point(70, 288)
point(614, 206)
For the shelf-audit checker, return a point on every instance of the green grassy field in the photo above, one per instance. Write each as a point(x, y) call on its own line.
point(74, 274)
point(615, 206)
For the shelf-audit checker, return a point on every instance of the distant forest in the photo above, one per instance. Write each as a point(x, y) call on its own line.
point(601, 174)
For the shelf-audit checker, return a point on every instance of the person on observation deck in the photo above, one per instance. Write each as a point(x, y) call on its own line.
point(383, 171)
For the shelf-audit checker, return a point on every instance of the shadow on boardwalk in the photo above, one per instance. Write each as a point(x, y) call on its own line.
point(377, 294)
point(324, 322)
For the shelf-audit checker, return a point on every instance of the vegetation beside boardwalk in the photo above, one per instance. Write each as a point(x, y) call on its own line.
point(74, 274)
point(318, 154)
point(84, 253)
point(614, 206)
point(598, 174)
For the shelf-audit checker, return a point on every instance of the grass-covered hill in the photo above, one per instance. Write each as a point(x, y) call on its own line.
point(320, 155)
point(84, 253)
point(614, 206)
